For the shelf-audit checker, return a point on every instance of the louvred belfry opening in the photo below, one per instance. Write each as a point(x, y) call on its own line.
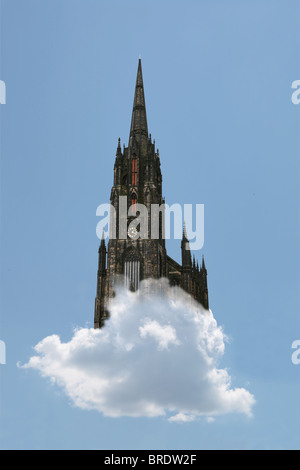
point(132, 270)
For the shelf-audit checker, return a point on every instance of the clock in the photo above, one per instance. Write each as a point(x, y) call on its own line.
point(133, 233)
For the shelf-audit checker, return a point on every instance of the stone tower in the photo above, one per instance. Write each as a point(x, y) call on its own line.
point(130, 258)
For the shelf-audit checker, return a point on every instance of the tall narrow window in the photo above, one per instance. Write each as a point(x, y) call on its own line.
point(160, 265)
point(133, 203)
point(134, 171)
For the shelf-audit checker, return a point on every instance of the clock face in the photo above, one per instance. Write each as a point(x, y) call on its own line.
point(133, 233)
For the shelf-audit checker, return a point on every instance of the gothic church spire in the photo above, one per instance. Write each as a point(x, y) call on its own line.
point(139, 125)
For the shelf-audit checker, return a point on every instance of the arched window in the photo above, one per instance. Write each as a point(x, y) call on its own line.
point(132, 270)
point(134, 171)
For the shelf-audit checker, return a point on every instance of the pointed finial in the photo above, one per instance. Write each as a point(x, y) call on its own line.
point(102, 244)
point(119, 151)
point(185, 249)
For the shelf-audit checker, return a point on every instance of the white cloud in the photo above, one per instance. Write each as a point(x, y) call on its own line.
point(209, 419)
point(181, 418)
point(164, 335)
point(155, 356)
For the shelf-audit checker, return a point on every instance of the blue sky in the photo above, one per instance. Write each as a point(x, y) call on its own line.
point(217, 78)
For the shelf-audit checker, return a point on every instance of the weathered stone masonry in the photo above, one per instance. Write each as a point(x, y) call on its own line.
point(137, 175)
